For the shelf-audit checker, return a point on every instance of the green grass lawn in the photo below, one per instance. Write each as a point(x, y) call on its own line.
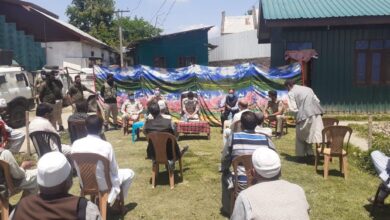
point(198, 195)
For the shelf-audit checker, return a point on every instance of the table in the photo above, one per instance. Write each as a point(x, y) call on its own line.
point(195, 127)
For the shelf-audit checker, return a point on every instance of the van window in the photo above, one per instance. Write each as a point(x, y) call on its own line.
point(2, 79)
point(20, 77)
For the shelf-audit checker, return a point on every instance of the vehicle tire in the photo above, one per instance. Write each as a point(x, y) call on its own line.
point(17, 115)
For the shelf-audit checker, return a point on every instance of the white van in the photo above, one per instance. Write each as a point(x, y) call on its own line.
point(16, 89)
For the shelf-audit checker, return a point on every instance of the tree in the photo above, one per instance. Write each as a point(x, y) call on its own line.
point(136, 29)
point(93, 16)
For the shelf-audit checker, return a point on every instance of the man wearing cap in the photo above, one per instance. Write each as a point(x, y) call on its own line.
point(120, 178)
point(241, 143)
point(76, 92)
point(304, 102)
point(15, 137)
point(271, 198)
point(131, 109)
point(51, 93)
point(54, 201)
point(41, 123)
point(23, 177)
point(273, 111)
point(108, 92)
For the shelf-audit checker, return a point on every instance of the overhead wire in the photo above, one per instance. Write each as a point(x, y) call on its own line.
point(158, 11)
point(169, 11)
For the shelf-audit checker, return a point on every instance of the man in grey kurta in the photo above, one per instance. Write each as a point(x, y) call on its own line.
point(304, 102)
point(271, 198)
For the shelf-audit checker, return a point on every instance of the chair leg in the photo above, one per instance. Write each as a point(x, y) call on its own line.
point(122, 203)
point(171, 178)
point(232, 201)
point(181, 169)
point(345, 167)
point(341, 164)
point(154, 173)
point(103, 204)
point(376, 199)
point(326, 166)
point(4, 209)
point(316, 160)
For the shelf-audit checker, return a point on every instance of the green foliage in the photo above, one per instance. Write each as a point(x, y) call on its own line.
point(136, 29)
point(96, 17)
point(380, 142)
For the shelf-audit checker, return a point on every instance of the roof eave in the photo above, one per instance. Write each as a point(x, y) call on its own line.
point(336, 21)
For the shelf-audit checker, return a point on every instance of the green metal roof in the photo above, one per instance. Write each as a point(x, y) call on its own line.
point(312, 9)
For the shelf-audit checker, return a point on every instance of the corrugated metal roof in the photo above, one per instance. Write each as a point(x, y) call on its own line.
point(309, 9)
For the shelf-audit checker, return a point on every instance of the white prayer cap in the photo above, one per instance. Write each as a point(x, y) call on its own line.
point(266, 162)
point(3, 103)
point(53, 169)
point(161, 104)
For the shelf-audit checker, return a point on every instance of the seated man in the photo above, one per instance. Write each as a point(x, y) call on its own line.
point(15, 137)
point(41, 123)
point(243, 107)
point(162, 105)
point(245, 142)
point(273, 111)
point(160, 124)
point(382, 166)
point(120, 178)
point(54, 201)
point(23, 179)
point(81, 112)
point(190, 106)
point(271, 198)
point(131, 109)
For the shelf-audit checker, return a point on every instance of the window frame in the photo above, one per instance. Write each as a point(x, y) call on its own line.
point(369, 52)
point(184, 61)
point(159, 62)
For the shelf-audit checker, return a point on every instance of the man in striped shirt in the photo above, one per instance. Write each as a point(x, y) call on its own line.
point(245, 142)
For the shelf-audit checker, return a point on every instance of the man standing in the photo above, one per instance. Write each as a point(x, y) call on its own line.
point(230, 106)
point(51, 93)
point(190, 107)
point(271, 198)
point(54, 201)
point(76, 92)
point(23, 177)
point(304, 102)
point(108, 92)
point(131, 109)
point(273, 111)
point(245, 142)
point(120, 178)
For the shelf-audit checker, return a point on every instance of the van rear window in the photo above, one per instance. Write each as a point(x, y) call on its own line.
point(19, 77)
point(2, 79)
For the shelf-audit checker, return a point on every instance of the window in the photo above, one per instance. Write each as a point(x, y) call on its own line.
point(299, 45)
point(159, 62)
point(372, 59)
point(186, 61)
point(2, 79)
point(92, 53)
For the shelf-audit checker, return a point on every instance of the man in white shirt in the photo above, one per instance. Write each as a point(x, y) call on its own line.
point(41, 123)
point(120, 178)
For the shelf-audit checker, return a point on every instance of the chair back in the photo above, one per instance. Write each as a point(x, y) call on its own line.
point(7, 178)
point(86, 164)
point(160, 141)
point(330, 121)
point(245, 161)
point(333, 137)
point(44, 140)
point(236, 127)
point(77, 130)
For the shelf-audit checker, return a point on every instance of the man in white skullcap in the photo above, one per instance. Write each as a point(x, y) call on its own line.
point(15, 137)
point(54, 201)
point(121, 179)
point(271, 198)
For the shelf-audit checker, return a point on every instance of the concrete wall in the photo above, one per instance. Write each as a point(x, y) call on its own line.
point(238, 46)
point(74, 53)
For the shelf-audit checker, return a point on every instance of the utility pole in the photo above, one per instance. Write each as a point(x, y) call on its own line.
point(119, 15)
